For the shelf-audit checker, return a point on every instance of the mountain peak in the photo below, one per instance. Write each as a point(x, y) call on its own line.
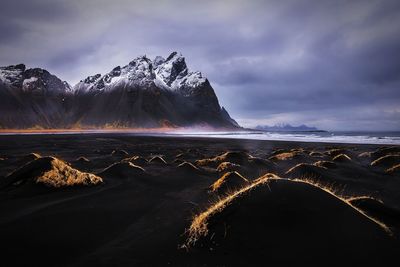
point(12, 75)
point(92, 79)
point(38, 80)
point(174, 55)
point(139, 60)
point(158, 60)
point(20, 67)
point(167, 74)
point(173, 68)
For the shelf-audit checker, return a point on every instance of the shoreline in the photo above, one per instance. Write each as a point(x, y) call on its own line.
point(334, 138)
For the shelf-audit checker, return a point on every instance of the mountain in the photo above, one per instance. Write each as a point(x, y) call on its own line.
point(32, 98)
point(286, 128)
point(145, 93)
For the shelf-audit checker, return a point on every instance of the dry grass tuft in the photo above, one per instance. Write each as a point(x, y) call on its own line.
point(53, 172)
point(284, 156)
point(365, 155)
point(157, 159)
point(135, 160)
point(204, 162)
point(362, 198)
point(317, 154)
point(386, 160)
point(118, 166)
point(232, 156)
point(82, 159)
point(198, 227)
point(33, 155)
point(180, 155)
point(269, 175)
point(336, 151)
point(188, 165)
point(341, 158)
point(325, 164)
point(227, 166)
point(394, 169)
point(233, 177)
point(61, 175)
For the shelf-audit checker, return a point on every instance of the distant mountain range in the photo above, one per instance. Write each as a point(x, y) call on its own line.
point(143, 94)
point(287, 128)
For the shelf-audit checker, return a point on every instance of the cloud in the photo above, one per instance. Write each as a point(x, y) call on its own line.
point(330, 63)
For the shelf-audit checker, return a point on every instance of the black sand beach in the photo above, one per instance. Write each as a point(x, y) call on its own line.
point(123, 200)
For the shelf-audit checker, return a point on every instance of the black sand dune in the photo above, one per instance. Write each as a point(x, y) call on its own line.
point(122, 169)
point(287, 222)
point(121, 153)
point(157, 160)
point(136, 160)
point(187, 166)
point(317, 154)
point(377, 209)
point(338, 151)
point(230, 181)
point(50, 172)
point(341, 158)
point(141, 212)
point(308, 171)
point(236, 157)
point(386, 161)
point(326, 164)
point(82, 159)
point(244, 162)
point(228, 166)
point(395, 169)
point(384, 151)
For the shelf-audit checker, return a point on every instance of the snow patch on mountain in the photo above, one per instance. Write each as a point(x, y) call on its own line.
point(11, 75)
point(28, 84)
point(167, 74)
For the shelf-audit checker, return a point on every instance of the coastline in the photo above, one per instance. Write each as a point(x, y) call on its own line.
point(377, 138)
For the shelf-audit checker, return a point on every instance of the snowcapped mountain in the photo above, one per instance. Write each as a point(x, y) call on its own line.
point(144, 93)
point(169, 74)
point(29, 80)
point(32, 98)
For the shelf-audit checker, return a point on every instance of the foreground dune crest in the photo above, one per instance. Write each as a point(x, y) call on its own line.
point(51, 172)
point(276, 189)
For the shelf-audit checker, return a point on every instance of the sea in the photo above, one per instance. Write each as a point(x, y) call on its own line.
point(384, 138)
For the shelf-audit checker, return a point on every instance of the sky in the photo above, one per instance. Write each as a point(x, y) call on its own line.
point(330, 64)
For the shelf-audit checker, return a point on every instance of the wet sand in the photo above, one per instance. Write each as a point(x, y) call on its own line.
point(315, 203)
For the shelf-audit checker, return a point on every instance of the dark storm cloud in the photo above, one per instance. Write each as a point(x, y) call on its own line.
point(333, 64)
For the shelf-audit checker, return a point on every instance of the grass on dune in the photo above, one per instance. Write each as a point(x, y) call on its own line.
point(199, 225)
